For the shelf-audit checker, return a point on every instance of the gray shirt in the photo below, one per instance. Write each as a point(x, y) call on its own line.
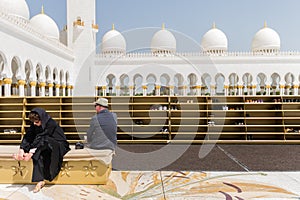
point(102, 133)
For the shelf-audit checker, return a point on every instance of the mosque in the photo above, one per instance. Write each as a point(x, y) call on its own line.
point(38, 59)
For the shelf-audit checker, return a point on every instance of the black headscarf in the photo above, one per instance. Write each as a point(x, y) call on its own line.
point(43, 115)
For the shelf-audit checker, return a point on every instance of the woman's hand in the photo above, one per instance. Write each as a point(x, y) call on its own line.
point(27, 156)
point(19, 155)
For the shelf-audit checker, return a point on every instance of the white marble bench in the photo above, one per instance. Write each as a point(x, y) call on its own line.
point(80, 166)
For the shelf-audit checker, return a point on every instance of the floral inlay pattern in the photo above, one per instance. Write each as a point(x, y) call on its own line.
point(90, 169)
point(66, 169)
point(18, 169)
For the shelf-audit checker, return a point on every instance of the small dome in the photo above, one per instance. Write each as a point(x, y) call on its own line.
point(17, 8)
point(113, 42)
point(163, 41)
point(214, 40)
point(266, 40)
point(45, 25)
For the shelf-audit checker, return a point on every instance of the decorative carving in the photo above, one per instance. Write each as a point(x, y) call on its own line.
point(66, 169)
point(18, 169)
point(90, 169)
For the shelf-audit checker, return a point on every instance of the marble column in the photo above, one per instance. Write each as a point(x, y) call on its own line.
point(50, 86)
point(157, 90)
point(57, 86)
point(21, 84)
point(198, 90)
point(1, 83)
point(104, 90)
point(144, 87)
point(63, 87)
point(42, 89)
point(131, 89)
point(226, 90)
point(118, 90)
point(295, 89)
point(240, 89)
point(281, 87)
point(212, 90)
point(33, 88)
point(172, 92)
point(7, 87)
point(268, 90)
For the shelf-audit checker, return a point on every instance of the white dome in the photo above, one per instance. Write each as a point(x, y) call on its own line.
point(214, 40)
point(113, 41)
point(45, 25)
point(17, 8)
point(163, 40)
point(266, 39)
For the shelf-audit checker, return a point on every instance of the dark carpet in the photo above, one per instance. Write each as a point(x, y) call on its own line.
point(149, 157)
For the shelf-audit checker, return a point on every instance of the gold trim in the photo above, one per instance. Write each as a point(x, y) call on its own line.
point(7, 81)
point(144, 87)
point(42, 84)
point(50, 84)
point(21, 82)
point(157, 87)
point(57, 86)
point(32, 83)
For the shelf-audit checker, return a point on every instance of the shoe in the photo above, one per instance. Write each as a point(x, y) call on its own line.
point(39, 186)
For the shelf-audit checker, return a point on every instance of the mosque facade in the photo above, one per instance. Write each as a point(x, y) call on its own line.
point(38, 59)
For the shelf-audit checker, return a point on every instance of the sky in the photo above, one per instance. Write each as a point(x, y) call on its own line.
point(238, 19)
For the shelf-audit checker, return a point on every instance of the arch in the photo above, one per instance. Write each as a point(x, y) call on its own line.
point(178, 83)
point(233, 83)
point(275, 81)
point(220, 81)
point(206, 81)
point(2, 64)
point(111, 83)
point(48, 74)
point(15, 68)
point(138, 81)
point(151, 81)
point(165, 83)
point(247, 82)
point(39, 72)
point(261, 79)
point(55, 75)
point(61, 77)
point(289, 81)
point(67, 77)
point(192, 81)
point(124, 85)
point(29, 74)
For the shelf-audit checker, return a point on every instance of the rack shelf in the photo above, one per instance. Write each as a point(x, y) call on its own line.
point(166, 119)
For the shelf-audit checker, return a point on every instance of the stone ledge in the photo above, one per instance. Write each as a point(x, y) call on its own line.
point(83, 166)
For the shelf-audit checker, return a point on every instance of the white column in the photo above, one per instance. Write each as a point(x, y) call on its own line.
point(57, 86)
point(63, 87)
point(69, 90)
point(1, 82)
point(213, 90)
point(171, 90)
point(198, 90)
point(226, 90)
point(21, 84)
point(118, 90)
point(42, 89)
point(254, 89)
point(281, 87)
point(104, 90)
point(144, 90)
point(157, 90)
point(240, 89)
point(131, 88)
point(50, 85)
point(295, 89)
point(268, 90)
point(32, 88)
point(7, 87)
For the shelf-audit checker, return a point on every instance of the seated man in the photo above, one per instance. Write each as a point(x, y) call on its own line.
point(102, 133)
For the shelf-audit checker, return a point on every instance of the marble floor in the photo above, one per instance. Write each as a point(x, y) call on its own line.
point(169, 185)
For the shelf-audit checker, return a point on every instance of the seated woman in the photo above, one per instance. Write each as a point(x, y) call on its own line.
point(46, 144)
